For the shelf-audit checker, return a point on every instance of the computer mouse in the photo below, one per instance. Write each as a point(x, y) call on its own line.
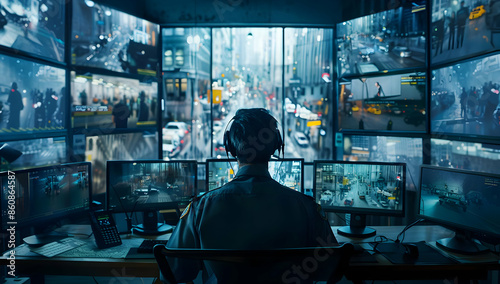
point(411, 251)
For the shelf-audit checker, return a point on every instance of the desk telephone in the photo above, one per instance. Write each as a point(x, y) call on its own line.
point(104, 229)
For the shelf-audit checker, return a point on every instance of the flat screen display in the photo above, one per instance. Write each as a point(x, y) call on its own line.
point(36, 27)
point(462, 29)
point(32, 97)
point(47, 193)
point(465, 98)
point(391, 102)
point(288, 172)
point(390, 40)
point(109, 39)
point(149, 184)
point(108, 102)
point(360, 187)
point(461, 199)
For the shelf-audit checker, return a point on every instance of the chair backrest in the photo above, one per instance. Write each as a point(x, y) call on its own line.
point(287, 265)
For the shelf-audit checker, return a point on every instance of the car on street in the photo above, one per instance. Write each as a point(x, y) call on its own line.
point(348, 202)
point(402, 51)
point(171, 145)
point(477, 12)
point(217, 126)
point(365, 53)
point(175, 127)
point(301, 139)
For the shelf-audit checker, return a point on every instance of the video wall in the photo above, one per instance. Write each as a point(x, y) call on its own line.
point(104, 91)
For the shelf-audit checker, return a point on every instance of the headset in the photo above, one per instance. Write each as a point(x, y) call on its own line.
point(256, 115)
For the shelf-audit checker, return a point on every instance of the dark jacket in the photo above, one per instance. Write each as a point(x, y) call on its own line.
point(253, 211)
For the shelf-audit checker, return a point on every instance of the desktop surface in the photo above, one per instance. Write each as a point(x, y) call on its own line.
point(98, 264)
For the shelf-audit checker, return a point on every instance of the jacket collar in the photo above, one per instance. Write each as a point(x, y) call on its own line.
point(253, 170)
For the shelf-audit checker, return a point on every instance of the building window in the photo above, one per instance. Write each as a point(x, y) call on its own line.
point(169, 60)
point(179, 57)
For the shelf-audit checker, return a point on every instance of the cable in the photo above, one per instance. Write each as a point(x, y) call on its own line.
point(402, 233)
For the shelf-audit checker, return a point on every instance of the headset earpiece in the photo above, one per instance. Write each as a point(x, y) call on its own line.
point(228, 145)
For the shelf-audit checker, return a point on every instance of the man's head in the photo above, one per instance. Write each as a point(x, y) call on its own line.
point(253, 136)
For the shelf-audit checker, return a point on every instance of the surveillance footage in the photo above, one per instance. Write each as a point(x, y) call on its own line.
point(108, 102)
point(393, 39)
point(287, 173)
point(32, 96)
point(106, 38)
point(139, 185)
point(48, 190)
point(35, 27)
point(465, 98)
point(129, 146)
point(465, 198)
point(463, 28)
point(394, 103)
point(367, 186)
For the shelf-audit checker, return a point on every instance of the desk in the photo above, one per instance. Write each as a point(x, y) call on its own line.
point(471, 267)
point(382, 270)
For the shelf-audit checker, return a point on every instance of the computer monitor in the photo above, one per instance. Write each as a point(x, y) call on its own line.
point(149, 186)
point(288, 172)
point(360, 188)
point(465, 201)
point(40, 197)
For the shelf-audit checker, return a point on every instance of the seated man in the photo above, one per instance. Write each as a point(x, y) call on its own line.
point(253, 211)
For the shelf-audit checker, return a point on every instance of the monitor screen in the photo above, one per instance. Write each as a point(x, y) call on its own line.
point(390, 40)
point(32, 97)
point(465, 98)
point(46, 194)
point(288, 172)
point(149, 185)
point(461, 200)
point(390, 102)
point(107, 38)
point(36, 27)
point(108, 102)
point(460, 31)
point(360, 187)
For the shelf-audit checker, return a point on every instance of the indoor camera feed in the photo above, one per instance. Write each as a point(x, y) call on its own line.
point(36, 27)
point(288, 172)
point(106, 102)
point(106, 38)
point(465, 98)
point(393, 103)
point(46, 192)
point(464, 199)
point(149, 185)
point(359, 186)
point(32, 96)
point(463, 28)
point(393, 39)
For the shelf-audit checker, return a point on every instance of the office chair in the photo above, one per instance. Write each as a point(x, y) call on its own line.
point(286, 265)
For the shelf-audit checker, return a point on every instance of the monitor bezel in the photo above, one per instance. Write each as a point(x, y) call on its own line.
point(40, 221)
point(207, 161)
point(150, 206)
point(365, 211)
point(454, 226)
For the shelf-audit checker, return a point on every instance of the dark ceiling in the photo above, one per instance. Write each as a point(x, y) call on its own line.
point(250, 12)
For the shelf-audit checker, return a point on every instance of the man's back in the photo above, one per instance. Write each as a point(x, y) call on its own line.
point(255, 212)
point(251, 212)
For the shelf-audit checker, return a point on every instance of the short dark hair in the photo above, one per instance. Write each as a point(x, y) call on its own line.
point(253, 136)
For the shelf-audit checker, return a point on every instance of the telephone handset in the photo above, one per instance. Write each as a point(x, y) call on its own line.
point(104, 229)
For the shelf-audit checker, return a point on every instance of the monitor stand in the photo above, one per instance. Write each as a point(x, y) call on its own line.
point(41, 239)
point(357, 228)
point(150, 226)
point(462, 243)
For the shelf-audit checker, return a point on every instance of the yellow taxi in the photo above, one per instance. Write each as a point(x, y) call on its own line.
point(355, 108)
point(477, 12)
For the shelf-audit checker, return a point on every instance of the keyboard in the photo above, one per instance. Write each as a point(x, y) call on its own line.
point(147, 245)
point(55, 248)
